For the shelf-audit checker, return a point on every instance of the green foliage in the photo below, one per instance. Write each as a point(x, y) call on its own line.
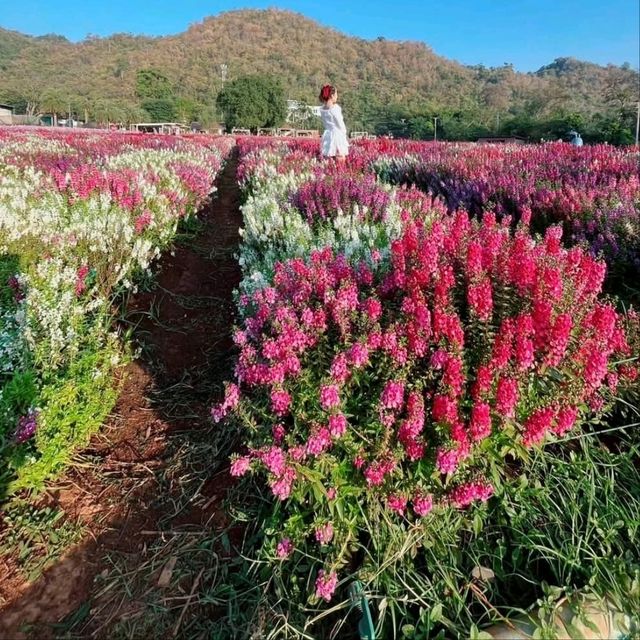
point(73, 405)
point(570, 524)
point(160, 109)
point(11, 44)
point(151, 83)
point(253, 101)
point(55, 101)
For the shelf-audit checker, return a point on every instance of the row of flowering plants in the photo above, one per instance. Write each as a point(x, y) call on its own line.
point(81, 216)
point(594, 192)
point(294, 204)
point(378, 389)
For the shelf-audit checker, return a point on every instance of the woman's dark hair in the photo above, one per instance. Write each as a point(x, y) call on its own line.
point(326, 92)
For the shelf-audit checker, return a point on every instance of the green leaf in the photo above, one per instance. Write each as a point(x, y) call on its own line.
point(436, 612)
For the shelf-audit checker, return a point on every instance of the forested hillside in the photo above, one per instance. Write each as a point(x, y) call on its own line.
point(385, 85)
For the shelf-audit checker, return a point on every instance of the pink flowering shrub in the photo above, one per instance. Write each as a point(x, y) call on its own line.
point(324, 196)
point(376, 401)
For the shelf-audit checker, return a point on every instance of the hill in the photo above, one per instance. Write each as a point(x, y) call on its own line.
point(381, 81)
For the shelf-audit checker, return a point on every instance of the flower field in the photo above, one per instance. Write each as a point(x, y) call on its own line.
point(592, 193)
point(415, 325)
point(434, 390)
point(82, 217)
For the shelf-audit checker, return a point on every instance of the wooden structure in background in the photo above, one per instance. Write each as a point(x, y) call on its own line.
point(159, 127)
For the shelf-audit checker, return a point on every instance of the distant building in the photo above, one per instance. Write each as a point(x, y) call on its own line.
point(502, 140)
point(361, 135)
point(6, 114)
point(287, 131)
point(159, 127)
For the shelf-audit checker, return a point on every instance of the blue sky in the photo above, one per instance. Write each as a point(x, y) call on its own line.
point(527, 33)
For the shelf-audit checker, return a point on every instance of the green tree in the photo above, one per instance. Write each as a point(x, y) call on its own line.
point(189, 110)
point(160, 109)
point(152, 84)
point(56, 102)
point(421, 127)
point(106, 111)
point(253, 101)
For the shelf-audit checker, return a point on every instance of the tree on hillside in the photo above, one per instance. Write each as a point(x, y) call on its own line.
point(160, 109)
point(56, 102)
point(156, 94)
point(106, 111)
point(253, 101)
point(151, 83)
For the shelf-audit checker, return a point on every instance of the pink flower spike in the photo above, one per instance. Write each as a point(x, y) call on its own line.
point(337, 425)
point(422, 504)
point(326, 584)
point(392, 395)
point(397, 503)
point(280, 402)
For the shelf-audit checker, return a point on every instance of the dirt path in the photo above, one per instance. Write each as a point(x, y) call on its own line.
point(139, 473)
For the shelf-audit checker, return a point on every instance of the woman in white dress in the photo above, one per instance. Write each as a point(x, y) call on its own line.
point(334, 142)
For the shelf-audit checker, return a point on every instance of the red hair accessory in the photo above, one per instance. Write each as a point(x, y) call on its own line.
point(326, 92)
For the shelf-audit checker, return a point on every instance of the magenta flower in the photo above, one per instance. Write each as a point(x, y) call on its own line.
point(480, 426)
point(230, 402)
point(465, 494)
point(565, 420)
point(340, 369)
point(240, 466)
point(275, 460)
point(392, 395)
point(324, 533)
point(397, 503)
point(480, 299)
point(537, 426)
point(281, 487)
point(280, 402)
point(278, 432)
point(422, 504)
point(337, 425)
point(329, 396)
point(507, 397)
point(318, 442)
point(284, 548)
point(326, 584)
point(143, 221)
point(359, 354)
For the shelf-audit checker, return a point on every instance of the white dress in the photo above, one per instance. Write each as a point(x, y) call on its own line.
point(334, 139)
